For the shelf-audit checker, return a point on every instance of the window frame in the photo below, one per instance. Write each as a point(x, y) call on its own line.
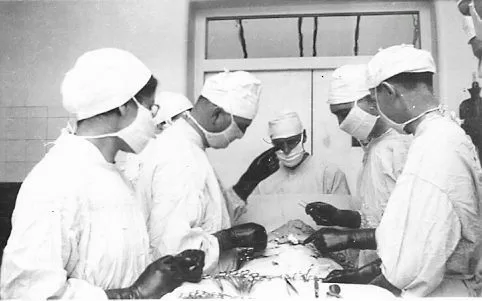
point(202, 14)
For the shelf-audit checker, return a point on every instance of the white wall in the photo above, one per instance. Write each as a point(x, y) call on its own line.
point(39, 42)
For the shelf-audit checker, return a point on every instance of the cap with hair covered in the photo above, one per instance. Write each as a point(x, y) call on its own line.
point(395, 60)
point(102, 80)
point(236, 92)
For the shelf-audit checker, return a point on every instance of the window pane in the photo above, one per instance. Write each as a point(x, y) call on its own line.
point(382, 31)
point(222, 40)
point(274, 37)
point(288, 37)
point(336, 36)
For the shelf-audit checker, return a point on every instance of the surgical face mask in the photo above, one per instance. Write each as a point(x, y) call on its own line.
point(358, 123)
point(399, 127)
point(294, 157)
point(221, 139)
point(138, 133)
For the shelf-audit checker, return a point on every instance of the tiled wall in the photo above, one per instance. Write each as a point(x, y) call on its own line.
point(24, 133)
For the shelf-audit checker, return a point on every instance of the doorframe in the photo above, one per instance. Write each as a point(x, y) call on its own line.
point(202, 14)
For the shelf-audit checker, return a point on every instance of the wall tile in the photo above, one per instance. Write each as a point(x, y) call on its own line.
point(3, 150)
point(3, 172)
point(15, 151)
point(19, 112)
point(57, 112)
point(14, 171)
point(36, 112)
point(3, 128)
point(16, 128)
point(34, 150)
point(36, 128)
point(54, 125)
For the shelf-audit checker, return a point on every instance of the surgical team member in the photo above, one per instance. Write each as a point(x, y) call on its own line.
point(472, 13)
point(431, 226)
point(174, 106)
point(77, 228)
point(385, 154)
point(186, 205)
point(170, 107)
point(299, 171)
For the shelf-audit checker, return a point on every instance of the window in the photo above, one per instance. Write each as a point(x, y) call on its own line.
point(309, 36)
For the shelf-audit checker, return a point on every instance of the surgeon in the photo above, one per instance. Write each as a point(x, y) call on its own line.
point(471, 11)
point(186, 205)
point(170, 107)
point(173, 107)
point(431, 226)
point(299, 172)
point(77, 228)
point(385, 154)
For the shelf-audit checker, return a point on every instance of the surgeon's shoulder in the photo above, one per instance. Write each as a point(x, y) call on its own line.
point(392, 145)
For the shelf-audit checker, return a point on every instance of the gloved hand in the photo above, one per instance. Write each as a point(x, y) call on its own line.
point(163, 276)
point(328, 240)
point(476, 44)
point(363, 275)
point(262, 167)
point(327, 215)
point(249, 235)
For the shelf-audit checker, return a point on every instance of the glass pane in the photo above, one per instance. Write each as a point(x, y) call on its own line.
point(381, 31)
point(223, 40)
point(307, 31)
point(336, 36)
point(273, 37)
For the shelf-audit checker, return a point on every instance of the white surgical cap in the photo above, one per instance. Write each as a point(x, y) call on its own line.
point(102, 80)
point(170, 104)
point(236, 92)
point(348, 84)
point(398, 59)
point(285, 125)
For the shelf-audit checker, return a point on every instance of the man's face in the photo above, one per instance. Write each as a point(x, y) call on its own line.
point(341, 110)
point(392, 106)
point(287, 144)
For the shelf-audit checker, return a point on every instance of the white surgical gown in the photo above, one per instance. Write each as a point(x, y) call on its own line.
point(383, 163)
point(184, 201)
point(77, 228)
point(310, 177)
point(432, 223)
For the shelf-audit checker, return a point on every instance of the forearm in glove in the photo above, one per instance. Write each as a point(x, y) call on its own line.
point(249, 235)
point(324, 214)
point(328, 240)
point(363, 275)
point(163, 276)
point(262, 167)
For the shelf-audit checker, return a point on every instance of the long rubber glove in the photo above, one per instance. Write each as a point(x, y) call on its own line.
point(249, 235)
point(262, 167)
point(328, 240)
point(324, 214)
point(163, 276)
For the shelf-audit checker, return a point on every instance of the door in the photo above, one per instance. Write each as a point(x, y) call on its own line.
point(306, 93)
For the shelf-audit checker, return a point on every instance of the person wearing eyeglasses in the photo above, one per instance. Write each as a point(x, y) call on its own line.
point(431, 228)
point(78, 230)
point(299, 171)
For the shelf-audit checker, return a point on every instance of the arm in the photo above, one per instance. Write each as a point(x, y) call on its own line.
point(177, 211)
point(418, 233)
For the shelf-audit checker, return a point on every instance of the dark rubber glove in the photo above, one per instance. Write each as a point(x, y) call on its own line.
point(248, 235)
point(327, 215)
point(363, 275)
point(262, 167)
point(328, 240)
point(163, 276)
